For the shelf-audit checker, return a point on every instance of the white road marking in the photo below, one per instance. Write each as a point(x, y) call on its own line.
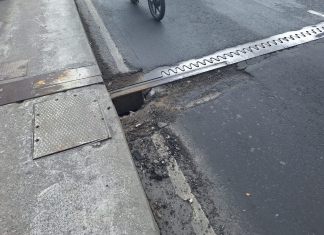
point(121, 66)
point(315, 13)
point(199, 222)
point(203, 100)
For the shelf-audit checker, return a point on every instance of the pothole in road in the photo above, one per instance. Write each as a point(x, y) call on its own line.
point(177, 191)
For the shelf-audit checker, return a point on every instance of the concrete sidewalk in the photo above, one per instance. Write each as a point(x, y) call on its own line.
point(65, 164)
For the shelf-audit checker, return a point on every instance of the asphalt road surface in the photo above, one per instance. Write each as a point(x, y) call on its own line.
point(195, 28)
point(249, 140)
point(263, 141)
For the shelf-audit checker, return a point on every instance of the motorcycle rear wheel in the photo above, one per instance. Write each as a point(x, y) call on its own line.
point(134, 1)
point(157, 9)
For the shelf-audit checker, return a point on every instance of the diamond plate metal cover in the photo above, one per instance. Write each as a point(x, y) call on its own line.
point(61, 124)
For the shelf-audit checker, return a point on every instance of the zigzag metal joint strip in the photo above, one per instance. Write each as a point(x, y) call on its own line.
point(223, 58)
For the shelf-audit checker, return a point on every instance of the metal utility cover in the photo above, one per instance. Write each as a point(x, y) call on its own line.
point(65, 123)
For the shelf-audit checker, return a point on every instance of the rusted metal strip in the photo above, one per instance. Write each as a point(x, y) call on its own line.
point(45, 84)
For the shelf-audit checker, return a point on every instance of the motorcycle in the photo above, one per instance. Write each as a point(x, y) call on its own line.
point(157, 8)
